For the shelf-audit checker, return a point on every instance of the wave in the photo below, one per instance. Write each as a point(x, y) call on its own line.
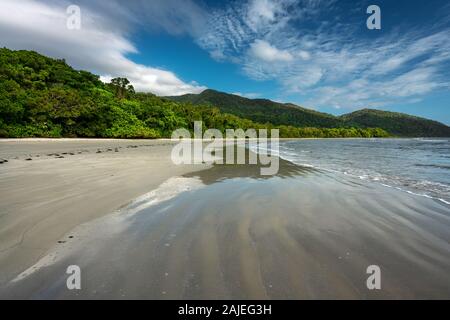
point(439, 166)
point(421, 188)
point(431, 140)
point(417, 194)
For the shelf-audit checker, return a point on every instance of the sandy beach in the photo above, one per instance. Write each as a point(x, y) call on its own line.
point(68, 182)
point(140, 227)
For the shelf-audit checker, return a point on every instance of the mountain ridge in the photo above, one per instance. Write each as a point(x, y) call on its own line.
point(277, 113)
point(286, 114)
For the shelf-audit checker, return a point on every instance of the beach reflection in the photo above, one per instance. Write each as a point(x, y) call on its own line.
point(221, 172)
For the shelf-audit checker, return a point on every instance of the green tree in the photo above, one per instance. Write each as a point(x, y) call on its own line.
point(122, 87)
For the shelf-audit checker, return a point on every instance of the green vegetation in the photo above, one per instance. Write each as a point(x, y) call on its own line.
point(262, 110)
point(399, 124)
point(44, 97)
point(266, 111)
point(121, 87)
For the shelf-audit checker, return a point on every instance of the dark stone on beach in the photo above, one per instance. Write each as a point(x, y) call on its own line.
point(109, 149)
point(64, 153)
point(98, 151)
point(28, 159)
point(61, 241)
point(71, 153)
point(59, 157)
point(116, 150)
point(70, 237)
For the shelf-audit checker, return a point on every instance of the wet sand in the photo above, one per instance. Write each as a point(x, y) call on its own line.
point(228, 232)
point(50, 186)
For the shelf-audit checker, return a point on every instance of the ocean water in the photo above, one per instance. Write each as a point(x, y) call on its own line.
point(419, 166)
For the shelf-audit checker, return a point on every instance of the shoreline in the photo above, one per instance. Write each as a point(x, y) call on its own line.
point(169, 139)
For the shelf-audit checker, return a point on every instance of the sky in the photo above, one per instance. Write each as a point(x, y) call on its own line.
point(315, 53)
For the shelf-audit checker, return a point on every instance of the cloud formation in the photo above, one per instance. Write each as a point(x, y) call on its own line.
point(314, 53)
point(100, 45)
point(313, 49)
point(264, 51)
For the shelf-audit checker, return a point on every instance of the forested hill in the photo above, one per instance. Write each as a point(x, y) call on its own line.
point(398, 123)
point(262, 110)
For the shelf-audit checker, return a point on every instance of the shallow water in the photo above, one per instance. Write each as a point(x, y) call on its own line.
point(229, 233)
point(421, 166)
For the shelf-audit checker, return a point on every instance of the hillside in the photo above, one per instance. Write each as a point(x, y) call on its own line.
point(44, 97)
point(262, 110)
point(398, 123)
point(267, 111)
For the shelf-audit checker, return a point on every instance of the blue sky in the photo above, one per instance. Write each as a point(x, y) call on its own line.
point(318, 54)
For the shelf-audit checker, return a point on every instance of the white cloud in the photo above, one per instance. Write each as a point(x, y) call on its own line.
point(97, 47)
point(363, 93)
point(261, 11)
point(308, 78)
point(173, 16)
point(312, 51)
point(305, 55)
point(263, 50)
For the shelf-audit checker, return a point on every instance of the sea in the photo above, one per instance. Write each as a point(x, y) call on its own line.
point(420, 166)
